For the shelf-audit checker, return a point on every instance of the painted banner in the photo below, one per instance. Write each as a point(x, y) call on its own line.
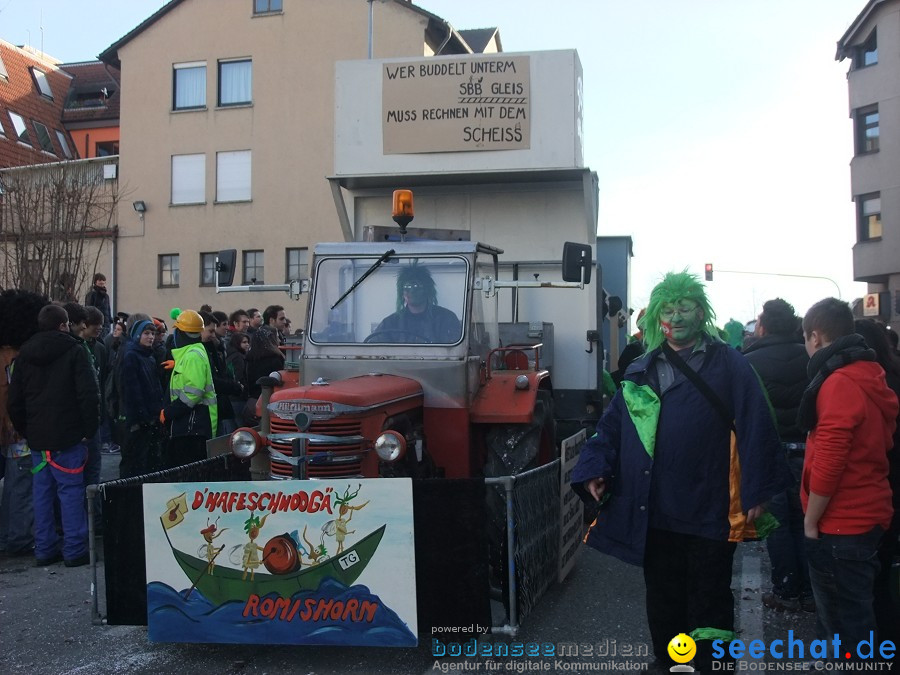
point(324, 562)
point(456, 105)
point(571, 526)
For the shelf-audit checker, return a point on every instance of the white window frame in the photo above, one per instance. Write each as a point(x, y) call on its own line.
point(63, 143)
point(296, 264)
point(172, 269)
point(868, 50)
point(866, 120)
point(43, 84)
point(189, 179)
point(230, 80)
point(234, 176)
point(186, 90)
point(259, 263)
point(267, 6)
point(869, 205)
point(208, 264)
point(20, 129)
point(37, 132)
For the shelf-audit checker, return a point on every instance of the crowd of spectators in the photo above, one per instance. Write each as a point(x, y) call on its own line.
point(81, 383)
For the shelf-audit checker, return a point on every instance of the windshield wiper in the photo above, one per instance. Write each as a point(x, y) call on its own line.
point(378, 263)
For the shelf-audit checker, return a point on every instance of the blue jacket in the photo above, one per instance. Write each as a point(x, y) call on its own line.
point(685, 486)
point(142, 396)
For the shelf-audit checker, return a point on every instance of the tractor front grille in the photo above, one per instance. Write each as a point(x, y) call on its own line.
point(325, 461)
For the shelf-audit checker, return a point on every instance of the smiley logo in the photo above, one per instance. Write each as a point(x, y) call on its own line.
point(682, 648)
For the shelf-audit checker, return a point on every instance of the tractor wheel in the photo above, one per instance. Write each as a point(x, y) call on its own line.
point(514, 448)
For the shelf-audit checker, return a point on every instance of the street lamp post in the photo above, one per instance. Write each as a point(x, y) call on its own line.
point(780, 274)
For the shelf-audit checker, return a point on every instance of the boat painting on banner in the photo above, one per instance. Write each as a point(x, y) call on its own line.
point(325, 562)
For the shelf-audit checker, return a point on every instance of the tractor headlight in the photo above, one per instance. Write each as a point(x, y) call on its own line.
point(245, 443)
point(390, 446)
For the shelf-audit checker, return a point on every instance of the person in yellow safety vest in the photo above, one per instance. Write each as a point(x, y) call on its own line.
point(192, 414)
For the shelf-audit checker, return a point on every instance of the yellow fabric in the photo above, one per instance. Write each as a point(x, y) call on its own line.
point(741, 530)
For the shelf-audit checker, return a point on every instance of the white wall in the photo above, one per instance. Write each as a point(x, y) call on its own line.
point(555, 118)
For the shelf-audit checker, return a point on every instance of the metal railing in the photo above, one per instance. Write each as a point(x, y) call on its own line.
point(526, 530)
point(212, 469)
point(532, 539)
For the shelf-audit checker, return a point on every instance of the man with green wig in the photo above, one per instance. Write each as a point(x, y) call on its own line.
point(662, 464)
point(419, 318)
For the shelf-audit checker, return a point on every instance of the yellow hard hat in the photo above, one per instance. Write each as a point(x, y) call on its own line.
point(189, 322)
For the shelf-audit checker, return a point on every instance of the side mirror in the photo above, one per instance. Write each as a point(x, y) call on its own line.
point(225, 262)
point(577, 262)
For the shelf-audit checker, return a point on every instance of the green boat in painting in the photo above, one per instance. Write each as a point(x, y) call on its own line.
point(226, 583)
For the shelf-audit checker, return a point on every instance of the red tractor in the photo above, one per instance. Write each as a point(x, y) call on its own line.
point(403, 372)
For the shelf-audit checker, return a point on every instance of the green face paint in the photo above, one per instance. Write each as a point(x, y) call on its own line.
point(681, 323)
point(676, 289)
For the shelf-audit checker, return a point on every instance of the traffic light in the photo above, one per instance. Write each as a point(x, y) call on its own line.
point(709, 271)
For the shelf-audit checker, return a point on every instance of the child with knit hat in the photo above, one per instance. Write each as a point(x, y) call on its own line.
point(142, 401)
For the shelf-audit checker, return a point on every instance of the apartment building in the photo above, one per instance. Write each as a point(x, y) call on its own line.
point(57, 212)
point(33, 92)
point(872, 46)
point(227, 138)
point(91, 111)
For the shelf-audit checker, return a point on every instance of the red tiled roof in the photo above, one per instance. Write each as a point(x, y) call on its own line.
point(19, 94)
point(94, 94)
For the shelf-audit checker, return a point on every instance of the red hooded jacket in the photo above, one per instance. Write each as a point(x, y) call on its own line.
point(846, 453)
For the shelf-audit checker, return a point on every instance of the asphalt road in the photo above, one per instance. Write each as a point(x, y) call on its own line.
point(46, 627)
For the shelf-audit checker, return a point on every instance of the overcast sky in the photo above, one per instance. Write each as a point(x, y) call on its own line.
point(719, 128)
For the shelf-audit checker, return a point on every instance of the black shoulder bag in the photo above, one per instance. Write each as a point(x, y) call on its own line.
point(675, 359)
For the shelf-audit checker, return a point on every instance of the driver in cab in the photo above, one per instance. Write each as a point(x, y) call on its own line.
point(418, 319)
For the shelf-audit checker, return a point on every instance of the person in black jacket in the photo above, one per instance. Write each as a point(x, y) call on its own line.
point(19, 310)
point(225, 385)
point(142, 400)
point(263, 358)
point(54, 402)
point(99, 298)
point(780, 360)
point(237, 347)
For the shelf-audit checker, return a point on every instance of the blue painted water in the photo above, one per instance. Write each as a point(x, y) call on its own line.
point(171, 618)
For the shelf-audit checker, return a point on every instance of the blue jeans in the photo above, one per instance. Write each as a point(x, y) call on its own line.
point(65, 481)
point(842, 570)
point(790, 576)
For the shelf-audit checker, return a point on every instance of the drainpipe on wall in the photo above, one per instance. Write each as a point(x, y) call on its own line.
point(113, 277)
point(371, 27)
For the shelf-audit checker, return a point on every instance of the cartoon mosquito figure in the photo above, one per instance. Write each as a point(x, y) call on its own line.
point(250, 562)
point(315, 552)
point(209, 550)
point(337, 528)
